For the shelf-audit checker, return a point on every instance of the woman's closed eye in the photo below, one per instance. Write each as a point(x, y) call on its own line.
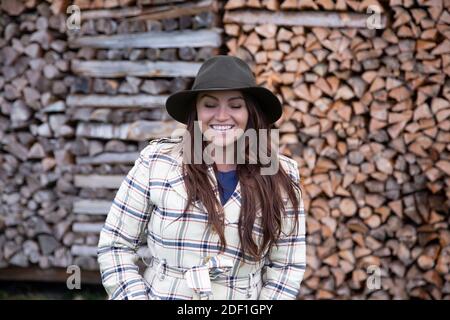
point(213, 106)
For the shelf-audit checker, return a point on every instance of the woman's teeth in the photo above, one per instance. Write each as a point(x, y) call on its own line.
point(222, 127)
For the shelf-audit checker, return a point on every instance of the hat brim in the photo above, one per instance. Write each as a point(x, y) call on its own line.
point(177, 104)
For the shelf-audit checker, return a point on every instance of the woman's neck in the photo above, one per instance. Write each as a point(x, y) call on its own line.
point(225, 167)
point(224, 160)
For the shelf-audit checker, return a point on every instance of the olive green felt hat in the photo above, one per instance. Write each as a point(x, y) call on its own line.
point(224, 73)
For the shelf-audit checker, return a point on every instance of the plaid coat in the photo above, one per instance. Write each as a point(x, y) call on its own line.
point(186, 263)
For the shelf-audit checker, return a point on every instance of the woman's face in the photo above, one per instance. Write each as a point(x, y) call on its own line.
point(223, 115)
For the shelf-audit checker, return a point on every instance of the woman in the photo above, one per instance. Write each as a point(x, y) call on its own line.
point(217, 225)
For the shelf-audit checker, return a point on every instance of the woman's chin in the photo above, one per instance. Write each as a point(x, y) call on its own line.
point(223, 141)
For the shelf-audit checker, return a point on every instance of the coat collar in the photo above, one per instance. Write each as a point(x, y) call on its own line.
point(175, 179)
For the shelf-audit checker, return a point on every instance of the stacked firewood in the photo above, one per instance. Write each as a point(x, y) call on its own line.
point(77, 105)
point(367, 117)
point(36, 137)
point(365, 89)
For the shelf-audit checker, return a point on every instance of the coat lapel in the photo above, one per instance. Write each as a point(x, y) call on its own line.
point(175, 176)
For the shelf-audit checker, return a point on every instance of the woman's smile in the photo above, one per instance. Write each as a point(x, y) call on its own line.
point(222, 127)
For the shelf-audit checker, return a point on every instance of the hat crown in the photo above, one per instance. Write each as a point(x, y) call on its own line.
point(224, 72)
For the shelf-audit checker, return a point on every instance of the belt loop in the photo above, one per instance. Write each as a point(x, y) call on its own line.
point(250, 285)
point(161, 264)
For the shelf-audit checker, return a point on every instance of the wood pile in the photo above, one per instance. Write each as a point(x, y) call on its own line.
point(76, 108)
point(37, 138)
point(367, 117)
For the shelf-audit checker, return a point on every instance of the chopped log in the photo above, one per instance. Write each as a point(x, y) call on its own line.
point(306, 19)
point(110, 13)
point(174, 39)
point(175, 11)
point(85, 227)
point(110, 158)
point(136, 131)
point(117, 69)
point(80, 250)
point(91, 207)
point(156, 2)
point(98, 181)
point(117, 101)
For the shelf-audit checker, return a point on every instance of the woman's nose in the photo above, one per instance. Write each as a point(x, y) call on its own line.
point(222, 113)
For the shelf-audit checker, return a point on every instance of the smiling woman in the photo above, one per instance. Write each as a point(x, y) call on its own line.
point(219, 230)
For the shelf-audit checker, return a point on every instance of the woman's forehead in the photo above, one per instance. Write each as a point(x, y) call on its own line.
point(225, 94)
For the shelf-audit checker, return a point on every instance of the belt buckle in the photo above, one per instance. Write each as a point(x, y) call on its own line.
point(205, 296)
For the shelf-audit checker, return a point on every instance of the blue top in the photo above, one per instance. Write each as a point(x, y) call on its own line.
point(228, 181)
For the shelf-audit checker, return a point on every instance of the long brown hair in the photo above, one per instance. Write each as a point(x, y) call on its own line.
point(255, 188)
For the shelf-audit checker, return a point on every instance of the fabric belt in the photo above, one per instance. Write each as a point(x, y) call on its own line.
point(199, 277)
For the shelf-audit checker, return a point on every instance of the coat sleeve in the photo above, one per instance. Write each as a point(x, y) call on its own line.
point(122, 233)
point(285, 265)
